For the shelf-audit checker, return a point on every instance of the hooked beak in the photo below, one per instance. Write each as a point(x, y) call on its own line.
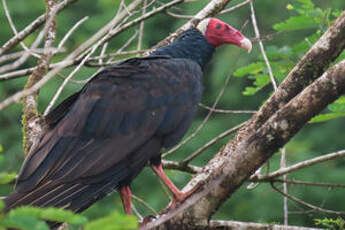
point(246, 44)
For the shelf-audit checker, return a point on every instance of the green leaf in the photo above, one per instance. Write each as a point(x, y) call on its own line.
point(261, 80)
point(296, 23)
point(250, 91)
point(340, 101)
point(337, 108)
point(1, 148)
point(326, 117)
point(25, 223)
point(305, 45)
point(6, 178)
point(253, 68)
point(113, 222)
point(61, 215)
point(51, 214)
point(289, 7)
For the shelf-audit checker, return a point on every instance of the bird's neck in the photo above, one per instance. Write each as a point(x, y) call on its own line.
point(192, 45)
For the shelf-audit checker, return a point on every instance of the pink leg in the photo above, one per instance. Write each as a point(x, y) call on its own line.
point(126, 196)
point(178, 195)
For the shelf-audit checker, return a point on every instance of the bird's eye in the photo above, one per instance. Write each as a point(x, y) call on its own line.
point(218, 26)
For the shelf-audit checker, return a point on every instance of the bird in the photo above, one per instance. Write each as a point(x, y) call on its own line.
point(100, 138)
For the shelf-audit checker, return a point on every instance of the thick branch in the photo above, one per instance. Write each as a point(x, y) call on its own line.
point(32, 125)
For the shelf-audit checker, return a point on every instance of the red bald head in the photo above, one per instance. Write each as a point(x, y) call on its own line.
point(218, 33)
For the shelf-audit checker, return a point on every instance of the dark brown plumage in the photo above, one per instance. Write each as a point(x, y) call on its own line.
point(107, 132)
point(100, 138)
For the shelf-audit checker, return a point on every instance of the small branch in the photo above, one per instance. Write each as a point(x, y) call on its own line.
point(210, 143)
point(300, 165)
point(231, 225)
point(179, 16)
point(307, 183)
point(316, 208)
point(65, 63)
point(141, 27)
point(257, 33)
point(181, 167)
point(70, 32)
point(31, 28)
point(226, 110)
point(15, 55)
point(285, 206)
point(141, 201)
point(68, 60)
point(7, 12)
point(231, 9)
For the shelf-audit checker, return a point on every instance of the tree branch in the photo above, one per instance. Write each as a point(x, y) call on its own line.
point(230, 225)
point(32, 124)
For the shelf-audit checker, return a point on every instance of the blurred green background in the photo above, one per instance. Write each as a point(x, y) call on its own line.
point(259, 205)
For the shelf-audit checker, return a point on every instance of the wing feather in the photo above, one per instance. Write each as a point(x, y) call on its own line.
point(114, 117)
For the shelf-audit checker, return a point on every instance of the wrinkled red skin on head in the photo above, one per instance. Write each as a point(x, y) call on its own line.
point(219, 33)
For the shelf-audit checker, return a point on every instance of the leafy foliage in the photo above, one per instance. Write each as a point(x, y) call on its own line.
point(337, 110)
point(329, 223)
point(33, 218)
point(282, 59)
point(113, 222)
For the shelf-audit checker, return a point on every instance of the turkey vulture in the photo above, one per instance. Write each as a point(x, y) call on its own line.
point(100, 138)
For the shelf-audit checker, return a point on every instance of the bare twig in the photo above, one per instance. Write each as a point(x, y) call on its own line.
point(69, 33)
point(66, 63)
point(15, 55)
point(306, 183)
point(17, 96)
point(31, 28)
point(301, 165)
point(316, 208)
point(231, 225)
point(181, 167)
point(231, 9)
point(257, 33)
point(285, 200)
point(210, 143)
point(141, 201)
point(226, 110)
point(141, 28)
point(179, 16)
point(7, 13)
point(34, 45)
point(64, 83)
